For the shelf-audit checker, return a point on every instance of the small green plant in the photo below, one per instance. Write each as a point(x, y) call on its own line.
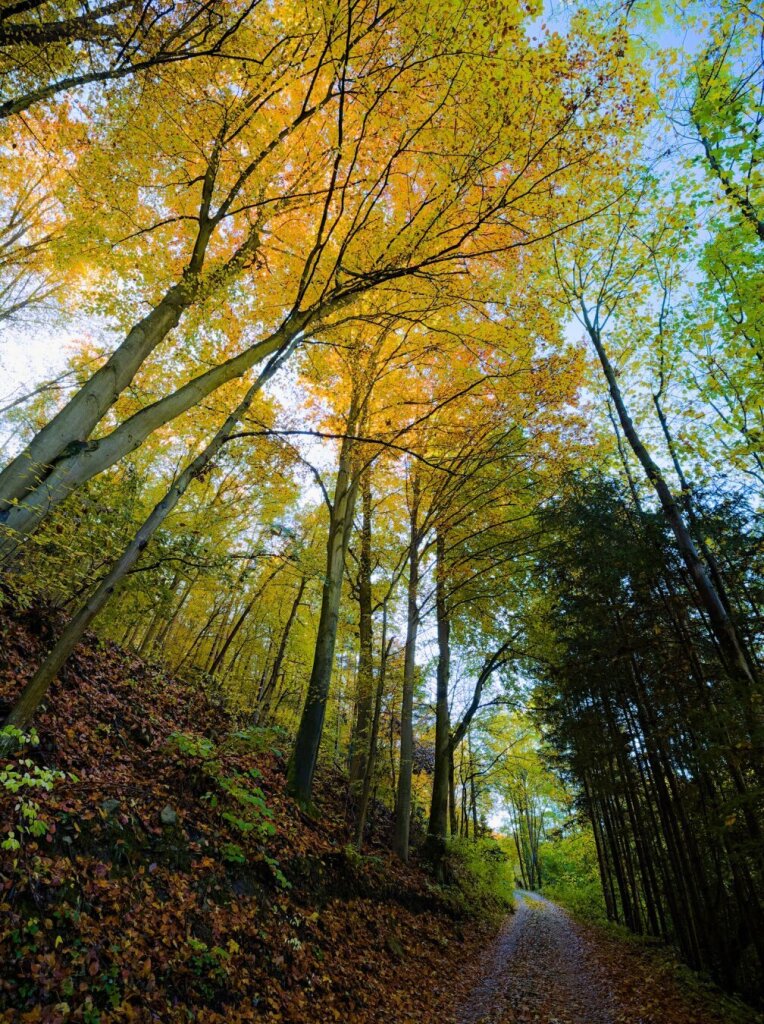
point(208, 963)
point(262, 739)
point(192, 746)
point(254, 814)
point(232, 853)
point(278, 874)
point(21, 778)
point(352, 856)
point(241, 803)
point(90, 1014)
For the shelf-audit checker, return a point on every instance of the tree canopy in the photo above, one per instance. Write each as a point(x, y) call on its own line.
point(404, 395)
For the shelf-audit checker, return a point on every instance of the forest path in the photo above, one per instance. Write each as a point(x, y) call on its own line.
point(539, 970)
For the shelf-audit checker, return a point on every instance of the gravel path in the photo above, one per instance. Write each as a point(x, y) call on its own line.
point(538, 971)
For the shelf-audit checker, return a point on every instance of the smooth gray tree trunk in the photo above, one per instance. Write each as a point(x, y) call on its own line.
point(730, 643)
point(302, 764)
point(403, 800)
point(35, 690)
point(93, 457)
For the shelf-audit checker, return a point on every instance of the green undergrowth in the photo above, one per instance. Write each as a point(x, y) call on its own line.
point(478, 878)
point(571, 875)
point(571, 879)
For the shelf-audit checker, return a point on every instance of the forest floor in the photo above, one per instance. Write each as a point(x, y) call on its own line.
point(162, 876)
point(545, 968)
point(166, 878)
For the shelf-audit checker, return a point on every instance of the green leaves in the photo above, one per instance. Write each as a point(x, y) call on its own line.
point(21, 778)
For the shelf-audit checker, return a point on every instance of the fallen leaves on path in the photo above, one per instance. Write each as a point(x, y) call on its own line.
point(544, 968)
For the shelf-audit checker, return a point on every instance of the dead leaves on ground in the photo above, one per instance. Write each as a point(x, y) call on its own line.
point(122, 914)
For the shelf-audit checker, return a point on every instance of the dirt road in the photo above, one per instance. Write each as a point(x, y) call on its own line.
point(539, 971)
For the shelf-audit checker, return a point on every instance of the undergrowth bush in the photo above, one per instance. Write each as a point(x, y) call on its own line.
point(478, 876)
point(571, 874)
point(260, 739)
point(239, 801)
point(19, 781)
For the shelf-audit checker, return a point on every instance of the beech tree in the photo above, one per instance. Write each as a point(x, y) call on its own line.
point(48, 48)
point(35, 690)
point(368, 234)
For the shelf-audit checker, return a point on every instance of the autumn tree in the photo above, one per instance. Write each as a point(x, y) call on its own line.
point(49, 47)
point(458, 215)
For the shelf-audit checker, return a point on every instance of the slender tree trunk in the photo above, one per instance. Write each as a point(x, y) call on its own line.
point(220, 633)
point(217, 660)
point(438, 826)
point(157, 621)
point(364, 695)
point(606, 879)
point(132, 633)
point(217, 609)
point(689, 505)
point(223, 648)
point(371, 760)
point(730, 643)
point(36, 689)
point(403, 801)
point(164, 635)
point(465, 821)
point(453, 821)
point(302, 764)
point(278, 661)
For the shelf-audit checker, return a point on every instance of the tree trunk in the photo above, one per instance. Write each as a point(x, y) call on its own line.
point(83, 411)
point(452, 818)
point(690, 507)
point(437, 829)
point(217, 661)
point(371, 760)
point(302, 764)
point(735, 194)
point(403, 801)
point(730, 643)
point(173, 617)
point(73, 464)
point(223, 648)
point(73, 424)
point(36, 689)
point(270, 686)
point(365, 696)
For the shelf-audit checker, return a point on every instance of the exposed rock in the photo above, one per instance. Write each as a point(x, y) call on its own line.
point(168, 815)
